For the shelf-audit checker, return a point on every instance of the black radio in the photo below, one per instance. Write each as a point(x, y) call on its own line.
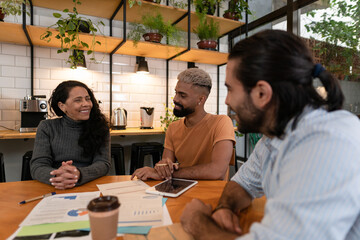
point(33, 110)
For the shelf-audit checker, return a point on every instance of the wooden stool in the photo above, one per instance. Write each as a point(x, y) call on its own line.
point(25, 171)
point(2, 169)
point(117, 152)
point(140, 150)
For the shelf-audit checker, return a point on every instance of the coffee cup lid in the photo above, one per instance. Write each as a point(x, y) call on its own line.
point(103, 204)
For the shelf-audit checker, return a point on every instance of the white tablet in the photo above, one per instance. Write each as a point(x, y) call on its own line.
point(171, 187)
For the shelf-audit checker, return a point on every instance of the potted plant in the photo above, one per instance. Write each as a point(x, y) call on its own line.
point(182, 4)
point(69, 29)
point(206, 6)
point(132, 2)
point(153, 29)
point(11, 7)
point(208, 33)
point(236, 7)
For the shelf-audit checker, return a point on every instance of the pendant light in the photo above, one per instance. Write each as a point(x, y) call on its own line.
point(141, 65)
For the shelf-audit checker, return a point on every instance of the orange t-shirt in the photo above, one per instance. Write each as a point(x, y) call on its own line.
point(194, 145)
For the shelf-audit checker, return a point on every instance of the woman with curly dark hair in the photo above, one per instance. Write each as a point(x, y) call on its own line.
point(73, 149)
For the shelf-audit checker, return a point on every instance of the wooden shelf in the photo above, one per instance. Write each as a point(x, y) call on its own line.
point(148, 49)
point(172, 14)
point(203, 56)
point(91, 7)
point(107, 43)
point(12, 33)
point(103, 8)
point(144, 49)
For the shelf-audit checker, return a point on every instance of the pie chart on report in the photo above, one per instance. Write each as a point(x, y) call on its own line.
point(77, 212)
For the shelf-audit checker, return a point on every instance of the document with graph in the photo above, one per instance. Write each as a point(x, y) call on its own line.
point(69, 207)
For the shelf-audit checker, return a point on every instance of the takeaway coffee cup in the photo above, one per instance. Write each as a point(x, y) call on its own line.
point(103, 214)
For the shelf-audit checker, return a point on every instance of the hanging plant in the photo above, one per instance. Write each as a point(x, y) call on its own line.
point(68, 33)
point(12, 7)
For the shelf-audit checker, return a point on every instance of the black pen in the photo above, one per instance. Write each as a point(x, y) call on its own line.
point(37, 198)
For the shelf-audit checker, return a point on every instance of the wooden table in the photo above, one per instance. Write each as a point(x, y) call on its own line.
point(130, 131)
point(12, 214)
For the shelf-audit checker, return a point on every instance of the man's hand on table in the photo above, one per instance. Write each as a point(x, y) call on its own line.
point(146, 173)
point(66, 176)
point(227, 220)
point(197, 221)
point(165, 168)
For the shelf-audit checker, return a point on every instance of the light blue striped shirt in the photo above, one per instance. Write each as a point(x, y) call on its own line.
point(311, 179)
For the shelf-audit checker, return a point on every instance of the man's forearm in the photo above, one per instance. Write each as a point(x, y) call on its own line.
point(202, 171)
point(234, 197)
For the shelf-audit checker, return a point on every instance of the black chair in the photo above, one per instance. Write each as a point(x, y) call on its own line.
point(140, 150)
point(117, 153)
point(2, 169)
point(25, 171)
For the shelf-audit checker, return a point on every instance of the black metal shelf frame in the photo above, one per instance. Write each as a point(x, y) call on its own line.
point(281, 12)
point(188, 15)
point(30, 42)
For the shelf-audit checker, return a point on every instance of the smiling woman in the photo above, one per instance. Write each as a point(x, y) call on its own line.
point(73, 149)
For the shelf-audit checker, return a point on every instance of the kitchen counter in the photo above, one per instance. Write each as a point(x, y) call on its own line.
point(12, 134)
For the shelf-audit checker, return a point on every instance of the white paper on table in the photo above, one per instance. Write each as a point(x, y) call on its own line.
point(140, 210)
point(123, 188)
point(166, 220)
point(67, 207)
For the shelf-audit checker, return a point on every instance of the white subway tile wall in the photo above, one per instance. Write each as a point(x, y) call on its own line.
point(130, 90)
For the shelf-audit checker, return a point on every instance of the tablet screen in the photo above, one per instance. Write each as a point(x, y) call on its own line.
point(173, 186)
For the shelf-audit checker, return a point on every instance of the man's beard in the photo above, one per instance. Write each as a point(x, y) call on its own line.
point(183, 112)
point(250, 119)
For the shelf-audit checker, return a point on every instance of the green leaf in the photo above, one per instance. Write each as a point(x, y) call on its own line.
point(66, 40)
point(71, 26)
point(57, 15)
point(84, 44)
point(66, 10)
point(89, 52)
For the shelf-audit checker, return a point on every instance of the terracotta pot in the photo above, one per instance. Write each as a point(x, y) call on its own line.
point(2, 15)
point(153, 37)
point(230, 15)
point(207, 44)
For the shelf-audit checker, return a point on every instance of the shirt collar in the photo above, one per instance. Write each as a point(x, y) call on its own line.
point(72, 123)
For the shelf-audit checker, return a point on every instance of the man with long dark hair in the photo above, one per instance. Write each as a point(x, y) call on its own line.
point(73, 149)
point(307, 164)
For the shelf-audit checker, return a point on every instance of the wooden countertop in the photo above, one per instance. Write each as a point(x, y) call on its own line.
point(11, 134)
